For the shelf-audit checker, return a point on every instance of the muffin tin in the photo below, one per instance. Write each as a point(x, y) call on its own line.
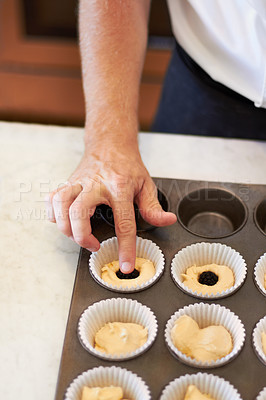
point(227, 213)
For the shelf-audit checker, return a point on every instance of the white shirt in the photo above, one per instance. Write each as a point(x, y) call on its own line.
point(227, 38)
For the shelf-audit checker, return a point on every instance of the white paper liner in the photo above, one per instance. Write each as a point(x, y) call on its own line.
point(259, 271)
point(115, 310)
point(208, 253)
point(133, 386)
point(109, 252)
point(216, 387)
point(256, 339)
point(262, 394)
point(206, 315)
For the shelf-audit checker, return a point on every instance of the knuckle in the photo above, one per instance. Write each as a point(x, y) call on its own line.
point(150, 206)
point(125, 227)
point(154, 205)
point(121, 180)
point(122, 188)
point(152, 209)
point(61, 196)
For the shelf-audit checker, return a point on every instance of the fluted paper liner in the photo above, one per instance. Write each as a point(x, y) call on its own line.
point(216, 387)
point(115, 310)
point(134, 388)
point(206, 315)
point(256, 339)
point(208, 253)
point(109, 252)
point(259, 271)
point(262, 394)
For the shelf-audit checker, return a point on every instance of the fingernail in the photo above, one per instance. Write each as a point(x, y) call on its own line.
point(126, 267)
point(93, 249)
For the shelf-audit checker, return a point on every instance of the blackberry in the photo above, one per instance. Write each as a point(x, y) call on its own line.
point(134, 274)
point(208, 278)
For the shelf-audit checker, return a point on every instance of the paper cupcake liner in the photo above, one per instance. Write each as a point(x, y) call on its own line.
point(206, 315)
point(208, 253)
point(115, 310)
point(256, 339)
point(133, 386)
point(259, 271)
point(216, 387)
point(109, 252)
point(262, 394)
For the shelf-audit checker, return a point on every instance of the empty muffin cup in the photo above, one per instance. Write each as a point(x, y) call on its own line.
point(260, 216)
point(132, 385)
point(259, 340)
point(260, 274)
point(214, 386)
point(109, 252)
point(212, 213)
point(207, 254)
point(206, 315)
point(262, 394)
point(115, 310)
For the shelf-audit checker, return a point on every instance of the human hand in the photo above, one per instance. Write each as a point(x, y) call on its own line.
point(112, 175)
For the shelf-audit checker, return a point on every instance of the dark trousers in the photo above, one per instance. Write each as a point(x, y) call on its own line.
point(193, 103)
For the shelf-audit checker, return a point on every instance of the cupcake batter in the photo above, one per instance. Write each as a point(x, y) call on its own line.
point(120, 338)
point(225, 276)
point(193, 393)
point(264, 281)
point(105, 393)
point(145, 267)
point(263, 341)
point(207, 344)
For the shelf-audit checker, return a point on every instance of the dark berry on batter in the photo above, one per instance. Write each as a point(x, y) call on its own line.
point(208, 278)
point(134, 274)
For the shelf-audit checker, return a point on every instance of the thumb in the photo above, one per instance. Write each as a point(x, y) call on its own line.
point(150, 208)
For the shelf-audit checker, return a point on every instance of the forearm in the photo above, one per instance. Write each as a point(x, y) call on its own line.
point(113, 38)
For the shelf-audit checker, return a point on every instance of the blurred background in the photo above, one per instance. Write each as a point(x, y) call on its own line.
point(40, 77)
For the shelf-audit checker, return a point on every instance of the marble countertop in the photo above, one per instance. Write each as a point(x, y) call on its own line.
point(38, 263)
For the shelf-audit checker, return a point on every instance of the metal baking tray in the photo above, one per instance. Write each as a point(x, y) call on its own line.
point(233, 214)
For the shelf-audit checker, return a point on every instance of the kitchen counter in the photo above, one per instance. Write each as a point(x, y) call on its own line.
point(38, 263)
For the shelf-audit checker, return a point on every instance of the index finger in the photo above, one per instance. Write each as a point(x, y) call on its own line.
point(125, 228)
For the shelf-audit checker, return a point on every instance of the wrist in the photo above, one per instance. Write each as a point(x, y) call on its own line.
point(115, 132)
point(111, 147)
